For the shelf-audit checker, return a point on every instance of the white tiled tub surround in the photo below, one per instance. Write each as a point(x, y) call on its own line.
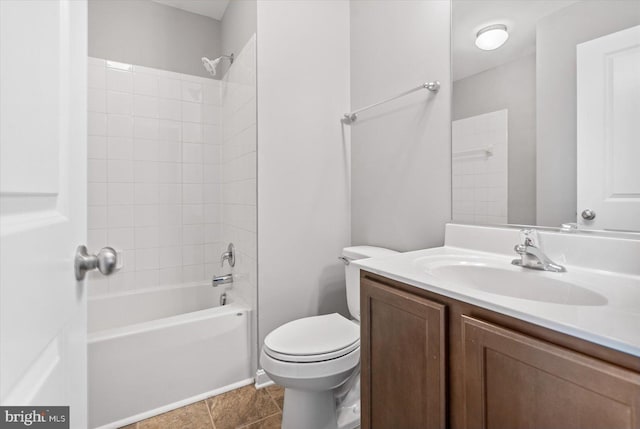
point(161, 191)
point(239, 207)
point(479, 182)
point(154, 174)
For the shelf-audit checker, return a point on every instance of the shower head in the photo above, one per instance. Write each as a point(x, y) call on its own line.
point(211, 65)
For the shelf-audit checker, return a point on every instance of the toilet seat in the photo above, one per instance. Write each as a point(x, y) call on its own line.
point(312, 358)
point(327, 374)
point(313, 339)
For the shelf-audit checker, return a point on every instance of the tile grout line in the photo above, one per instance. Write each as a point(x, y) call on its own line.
point(274, 400)
point(213, 425)
point(258, 421)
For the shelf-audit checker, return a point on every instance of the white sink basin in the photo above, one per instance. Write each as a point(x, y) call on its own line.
point(499, 277)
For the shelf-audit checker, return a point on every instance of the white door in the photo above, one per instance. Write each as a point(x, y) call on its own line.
point(609, 131)
point(43, 55)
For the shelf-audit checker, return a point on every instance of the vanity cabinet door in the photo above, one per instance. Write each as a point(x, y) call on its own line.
point(403, 360)
point(514, 381)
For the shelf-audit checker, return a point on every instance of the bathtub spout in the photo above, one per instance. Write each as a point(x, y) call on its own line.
point(222, 280)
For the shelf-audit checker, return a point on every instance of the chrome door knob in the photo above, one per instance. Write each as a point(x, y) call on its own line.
point(588, 214)
point(106, 261)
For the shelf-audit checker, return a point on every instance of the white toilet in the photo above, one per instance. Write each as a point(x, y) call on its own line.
point(317, 360)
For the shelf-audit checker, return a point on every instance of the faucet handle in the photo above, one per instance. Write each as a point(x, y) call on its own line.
point(529, 237)
point(229, 255)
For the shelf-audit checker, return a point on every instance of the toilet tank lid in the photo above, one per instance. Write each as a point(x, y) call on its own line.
point(361, 252)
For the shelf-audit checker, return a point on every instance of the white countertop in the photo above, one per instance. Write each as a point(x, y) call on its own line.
point(614, 323)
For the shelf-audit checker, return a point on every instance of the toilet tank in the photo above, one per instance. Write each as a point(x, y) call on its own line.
point(352, 273)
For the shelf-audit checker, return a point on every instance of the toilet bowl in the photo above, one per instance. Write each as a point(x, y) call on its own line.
point(316, 359)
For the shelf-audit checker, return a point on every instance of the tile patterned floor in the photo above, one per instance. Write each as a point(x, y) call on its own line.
point(245, 408)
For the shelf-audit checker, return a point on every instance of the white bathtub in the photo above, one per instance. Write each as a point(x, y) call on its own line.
point(156, 350)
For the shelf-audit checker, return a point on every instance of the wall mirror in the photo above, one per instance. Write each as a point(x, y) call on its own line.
point(546, 113)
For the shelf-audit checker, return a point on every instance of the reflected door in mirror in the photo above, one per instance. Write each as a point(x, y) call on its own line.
point(608, 128)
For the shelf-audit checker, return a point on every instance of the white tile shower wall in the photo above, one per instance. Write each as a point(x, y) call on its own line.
point(479, 180)
point(238, 161)
point(154, 174)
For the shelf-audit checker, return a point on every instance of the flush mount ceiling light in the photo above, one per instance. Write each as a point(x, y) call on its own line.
point(492, 37)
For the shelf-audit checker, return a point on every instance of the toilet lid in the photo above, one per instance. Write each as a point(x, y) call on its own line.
point(310, 337)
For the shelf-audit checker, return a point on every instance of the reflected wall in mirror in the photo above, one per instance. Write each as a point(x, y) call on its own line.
point(546, 126)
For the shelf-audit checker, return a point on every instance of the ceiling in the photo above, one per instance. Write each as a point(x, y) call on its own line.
point(520, 17)
point(211, 8)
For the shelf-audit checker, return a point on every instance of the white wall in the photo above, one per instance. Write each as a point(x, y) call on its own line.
point(303, 199)
point(154, 175)
point(509, 86)
point(238, 25)
point(153, 35)
point(557, 36)
point(401, 164)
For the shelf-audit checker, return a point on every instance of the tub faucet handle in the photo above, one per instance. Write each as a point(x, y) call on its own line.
point(229, 255)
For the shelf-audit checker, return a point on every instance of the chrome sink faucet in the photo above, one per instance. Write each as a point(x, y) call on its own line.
point(531, 256)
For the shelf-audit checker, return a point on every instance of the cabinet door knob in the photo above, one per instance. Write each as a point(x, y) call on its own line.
point(588, 214)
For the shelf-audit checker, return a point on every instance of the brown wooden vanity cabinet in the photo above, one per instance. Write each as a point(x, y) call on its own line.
point(403, 359)
point(515, 381)
point(429, 361)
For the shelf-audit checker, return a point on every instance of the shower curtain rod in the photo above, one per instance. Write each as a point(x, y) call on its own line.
point(431, 86)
